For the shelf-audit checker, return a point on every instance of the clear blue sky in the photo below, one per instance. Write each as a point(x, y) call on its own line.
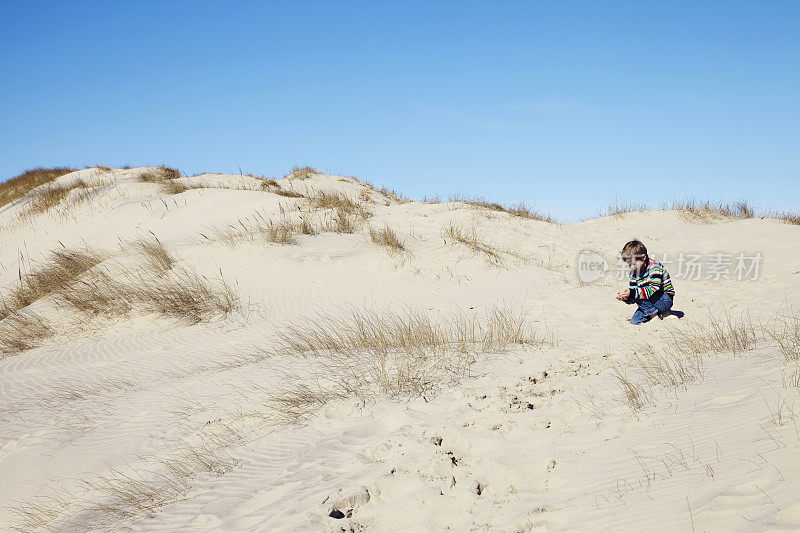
point(565, 104)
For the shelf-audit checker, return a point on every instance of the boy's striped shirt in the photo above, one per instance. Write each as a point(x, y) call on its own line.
point(653, 279)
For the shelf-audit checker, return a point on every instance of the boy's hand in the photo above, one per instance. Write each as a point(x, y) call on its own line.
point(623, 295)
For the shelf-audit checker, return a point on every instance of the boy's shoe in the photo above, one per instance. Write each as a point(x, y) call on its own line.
point(664, 315)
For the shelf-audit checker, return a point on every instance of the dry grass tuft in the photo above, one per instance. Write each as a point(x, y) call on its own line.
point(288, 193)
point(518, 210)
point(183, 295)
point(341, 222)
point(679, 359)
point(364, 353)
point(347, 215)
point(257, 227)
point(302, 173)
point(159, 174)
point(388, 238)
point(634, 393)
point(327, 200)
point(707, 209)
point(47, 198)
point(58, 271)
point(108, 501)
point(157, 257)
point(471, 238)
point(784, 331)
point(75, 281)
point(23, 331)
point(176, 187)
point(787, 216)
point(620, 207)
point(20, 185)
point(274, 187)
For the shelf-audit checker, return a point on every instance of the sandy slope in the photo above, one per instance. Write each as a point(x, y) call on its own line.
point(537, 438)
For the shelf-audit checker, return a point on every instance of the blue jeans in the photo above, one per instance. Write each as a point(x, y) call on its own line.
point(656, 304)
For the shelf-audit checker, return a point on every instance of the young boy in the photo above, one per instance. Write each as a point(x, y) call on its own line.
point(649, 284)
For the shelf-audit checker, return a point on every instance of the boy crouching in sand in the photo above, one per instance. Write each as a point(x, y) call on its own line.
point(650, 287)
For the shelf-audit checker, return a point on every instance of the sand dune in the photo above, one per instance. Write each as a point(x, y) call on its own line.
point(461, 379)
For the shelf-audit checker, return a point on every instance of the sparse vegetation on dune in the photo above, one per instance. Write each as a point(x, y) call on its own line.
point(327, 200)
point(20, 185)
point(76, 281)
point(620, 207)
point(388, 238)
point(680, 358)
point(49, 197)
point(23, 331)
point(106, 501)
point(518, 210)
point(274, 187)
point(364, 353)
point(707, 209)
point(159, 174)
point(53, 275)
point(302, 173)
point(703, 210)
point(472, 239)
point(157, 257)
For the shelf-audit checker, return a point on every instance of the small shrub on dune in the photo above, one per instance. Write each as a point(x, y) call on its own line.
point(20, 185)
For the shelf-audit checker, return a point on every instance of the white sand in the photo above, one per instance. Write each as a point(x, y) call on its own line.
point(541, 433)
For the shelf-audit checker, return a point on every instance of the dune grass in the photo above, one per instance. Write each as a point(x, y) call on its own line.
point(159, 174)
point(20, 185)
point(520, 209)
point(707, 209)
point(76, 282)
point(703, 210)
point(58, 270)
point(679, 358)
point(388, 238)
point(366, 353)
point(303, 172)
point(158, 259)
point(107, 501)
point(23, 331)
point(475, 241)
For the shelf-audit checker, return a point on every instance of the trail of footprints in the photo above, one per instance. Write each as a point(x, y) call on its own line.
point(427, 459)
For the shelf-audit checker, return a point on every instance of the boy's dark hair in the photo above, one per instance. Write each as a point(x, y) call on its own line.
point(633, 249)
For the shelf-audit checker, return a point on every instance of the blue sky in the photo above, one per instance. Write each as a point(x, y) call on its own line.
point(567, 105)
